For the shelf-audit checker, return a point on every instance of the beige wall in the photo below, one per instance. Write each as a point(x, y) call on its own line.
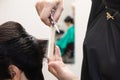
point(23, 11)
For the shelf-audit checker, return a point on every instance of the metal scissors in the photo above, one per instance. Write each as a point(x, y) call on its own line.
point(53, 21)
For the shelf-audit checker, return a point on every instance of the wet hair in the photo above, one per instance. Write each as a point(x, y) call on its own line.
point(19, 48)
point(69, 19)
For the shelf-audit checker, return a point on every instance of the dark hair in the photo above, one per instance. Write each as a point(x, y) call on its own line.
point(22, 50)
point(69, 19)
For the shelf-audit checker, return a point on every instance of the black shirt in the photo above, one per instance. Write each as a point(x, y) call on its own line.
point(99, 59)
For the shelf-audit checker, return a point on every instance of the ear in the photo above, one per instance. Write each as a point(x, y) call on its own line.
point(15, 72)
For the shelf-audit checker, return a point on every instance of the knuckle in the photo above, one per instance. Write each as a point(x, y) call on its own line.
point(37, 4)
point(43, 19)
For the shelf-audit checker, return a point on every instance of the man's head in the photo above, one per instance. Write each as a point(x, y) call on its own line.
point(69, 21)
point(21, 55)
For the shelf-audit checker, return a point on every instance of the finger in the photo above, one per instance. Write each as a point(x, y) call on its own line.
point(57, 53)
point(45, 14)
point(56, 66)
point(57, 49)
point(58, 11)
point(39, 6)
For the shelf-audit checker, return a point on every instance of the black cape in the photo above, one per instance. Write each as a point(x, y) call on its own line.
point(101, 58)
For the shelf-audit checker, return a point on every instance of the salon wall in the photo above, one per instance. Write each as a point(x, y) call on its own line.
point(81, 18)
point(23, 11)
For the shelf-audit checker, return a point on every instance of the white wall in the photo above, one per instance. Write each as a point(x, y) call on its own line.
point(23, 11)
point(82, 15)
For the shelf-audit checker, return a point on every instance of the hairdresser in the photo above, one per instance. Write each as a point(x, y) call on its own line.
point(101, 58)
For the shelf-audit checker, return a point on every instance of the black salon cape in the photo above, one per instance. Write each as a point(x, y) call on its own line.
point(101, 58)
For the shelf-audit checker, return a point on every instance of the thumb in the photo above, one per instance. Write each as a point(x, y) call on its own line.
point(57, 67)
point(53, 71)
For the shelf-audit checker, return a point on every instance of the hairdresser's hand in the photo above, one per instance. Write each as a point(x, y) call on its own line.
point(59, 69)
point(44, 8)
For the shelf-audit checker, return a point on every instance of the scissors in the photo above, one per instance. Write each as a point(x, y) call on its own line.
point(53, 21)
